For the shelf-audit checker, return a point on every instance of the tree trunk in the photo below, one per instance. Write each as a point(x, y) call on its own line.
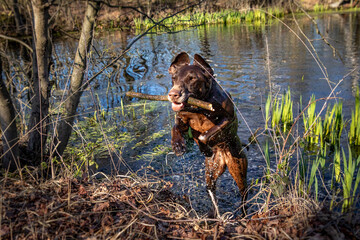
point(8, 127)
point(75, 91)
point(38, 123)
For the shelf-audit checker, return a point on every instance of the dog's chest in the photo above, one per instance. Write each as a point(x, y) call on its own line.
point(197, 121)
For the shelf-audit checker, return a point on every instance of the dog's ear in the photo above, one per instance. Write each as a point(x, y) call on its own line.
point(179, 61)
point(199, 61)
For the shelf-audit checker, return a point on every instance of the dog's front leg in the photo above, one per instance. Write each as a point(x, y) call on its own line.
point(178, 143)
point(209, 134)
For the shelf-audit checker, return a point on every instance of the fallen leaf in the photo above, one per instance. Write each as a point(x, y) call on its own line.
point(82, 190)
point(101, 206)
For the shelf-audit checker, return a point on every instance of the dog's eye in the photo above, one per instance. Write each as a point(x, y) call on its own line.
point(195, 87)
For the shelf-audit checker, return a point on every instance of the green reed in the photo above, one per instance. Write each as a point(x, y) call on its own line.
point(354, 132)
point(276, 12)
point(281, 112)
point(317, 163)
point(312, 123)
point(350, 183)
point(287, 110)
point(254, 16)
point(320, 8)
point(333, 124)
point(338, 124)
point(276, 113)
point(267, 158)
point(267, 111)
point(345, 180)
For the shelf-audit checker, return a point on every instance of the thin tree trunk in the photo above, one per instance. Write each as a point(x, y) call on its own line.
point(38, 124)
point(74, 93)
point(8, 127)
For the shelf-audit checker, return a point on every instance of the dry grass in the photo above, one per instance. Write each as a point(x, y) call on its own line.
point(125, 207)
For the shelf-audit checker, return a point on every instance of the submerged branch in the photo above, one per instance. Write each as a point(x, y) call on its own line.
point(191, 100)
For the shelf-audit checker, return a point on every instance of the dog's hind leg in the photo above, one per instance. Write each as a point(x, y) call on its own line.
point(238, 168)
point(214, 167)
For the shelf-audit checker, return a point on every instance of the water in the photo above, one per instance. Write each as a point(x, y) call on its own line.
point(238, 55)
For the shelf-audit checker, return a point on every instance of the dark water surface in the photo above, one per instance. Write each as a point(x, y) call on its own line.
point(238, 54)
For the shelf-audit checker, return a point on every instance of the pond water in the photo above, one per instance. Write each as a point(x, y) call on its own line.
point(249, 62)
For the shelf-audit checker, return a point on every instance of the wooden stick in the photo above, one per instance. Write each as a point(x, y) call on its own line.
point(191, 100)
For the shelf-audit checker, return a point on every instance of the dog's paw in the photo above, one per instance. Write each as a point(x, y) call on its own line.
point(179, 147)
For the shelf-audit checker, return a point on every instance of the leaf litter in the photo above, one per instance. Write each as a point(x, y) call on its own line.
point(130, 207)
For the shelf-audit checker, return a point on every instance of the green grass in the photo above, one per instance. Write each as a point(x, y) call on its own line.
point(320, 159)
point(354, 133)
point(350, 180)
point(280, 112)
point(226, 17)
point(320, 8)
point(127, 126)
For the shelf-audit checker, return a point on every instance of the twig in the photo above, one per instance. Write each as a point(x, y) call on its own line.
point(17, 40)
point(191, 100)
point(167, 220)
point(135, 40)
point(335, 51)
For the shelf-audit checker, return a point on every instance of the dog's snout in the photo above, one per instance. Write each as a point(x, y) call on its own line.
point(174, 94)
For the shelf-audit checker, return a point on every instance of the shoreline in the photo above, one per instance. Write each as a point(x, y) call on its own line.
point(127, 18)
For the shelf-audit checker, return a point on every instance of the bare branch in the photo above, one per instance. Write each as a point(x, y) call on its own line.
point(136, 39)
point(16, 40)
point(191, 100)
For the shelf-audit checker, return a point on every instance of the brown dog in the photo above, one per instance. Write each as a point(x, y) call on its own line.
point(214, 131)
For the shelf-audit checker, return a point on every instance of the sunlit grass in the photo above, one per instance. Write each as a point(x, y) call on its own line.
point(100, 132)
point(226, 17)
point(281, 112)
point(321, 162)
point(354, 133)
point(350, 182)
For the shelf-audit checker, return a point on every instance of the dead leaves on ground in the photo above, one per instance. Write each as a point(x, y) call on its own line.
point(131, 208)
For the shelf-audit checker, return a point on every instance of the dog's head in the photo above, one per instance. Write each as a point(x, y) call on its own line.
point(189, 80)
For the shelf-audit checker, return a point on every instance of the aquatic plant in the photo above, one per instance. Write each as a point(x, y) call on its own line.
point(354, 132)
point(350, 183)
point(99, 132)
point(338, 124)
point(267, 111)
point(287, 110)
point(333, 125)
point(281, 112)
point(254, 16)
point(320, 8)
point(312, 123)
point(276, 113)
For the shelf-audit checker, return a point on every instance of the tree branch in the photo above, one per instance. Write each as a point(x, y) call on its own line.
point(136, 39)
point(16, 40)
point(191, 100)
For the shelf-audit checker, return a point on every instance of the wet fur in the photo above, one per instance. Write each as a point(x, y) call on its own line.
point(215, 132)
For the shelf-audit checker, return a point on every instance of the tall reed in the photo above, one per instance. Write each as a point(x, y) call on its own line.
point(254, 16)
point(354, 133)
point(350, 183)
point(281, 112)
point(287, 110)
point(312, 123)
